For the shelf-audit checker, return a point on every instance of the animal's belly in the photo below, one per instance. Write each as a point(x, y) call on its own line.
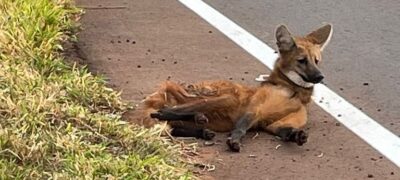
point(220, 121)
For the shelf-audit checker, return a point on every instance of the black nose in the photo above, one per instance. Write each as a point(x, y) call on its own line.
point(318, 78)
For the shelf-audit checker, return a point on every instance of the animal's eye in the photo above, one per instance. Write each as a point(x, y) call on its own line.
point(303, 61)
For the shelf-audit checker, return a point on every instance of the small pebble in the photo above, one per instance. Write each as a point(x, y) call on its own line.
point(252, 156)
point(370, 176)
point(277, 146)
point(365, 84)
point(209, 143)
point(337, 124)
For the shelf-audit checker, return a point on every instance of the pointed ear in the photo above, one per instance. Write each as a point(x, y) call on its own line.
point(321, 36)
point(284, 39)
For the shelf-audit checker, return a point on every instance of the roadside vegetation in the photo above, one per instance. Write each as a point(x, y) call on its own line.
point(57, 120)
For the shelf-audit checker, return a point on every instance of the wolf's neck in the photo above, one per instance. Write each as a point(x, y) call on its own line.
point(280, 79)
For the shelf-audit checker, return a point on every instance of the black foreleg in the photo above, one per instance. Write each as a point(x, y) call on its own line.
point(241, 127)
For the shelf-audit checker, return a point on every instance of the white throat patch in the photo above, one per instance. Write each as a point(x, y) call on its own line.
point(296, 78)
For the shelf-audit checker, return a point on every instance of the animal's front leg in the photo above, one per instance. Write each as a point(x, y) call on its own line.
point(241, 127)
point(289, 127)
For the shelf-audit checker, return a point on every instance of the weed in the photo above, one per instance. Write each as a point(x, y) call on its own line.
point(59, 121)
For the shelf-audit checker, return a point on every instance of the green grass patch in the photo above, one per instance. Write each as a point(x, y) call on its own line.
point(59, 121)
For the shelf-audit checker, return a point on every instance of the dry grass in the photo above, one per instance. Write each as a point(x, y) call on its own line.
point(58, 121)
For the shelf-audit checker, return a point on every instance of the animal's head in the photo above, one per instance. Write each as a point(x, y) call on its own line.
point(300, 56)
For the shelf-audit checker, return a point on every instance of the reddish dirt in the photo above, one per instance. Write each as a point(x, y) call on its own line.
point(150, 41)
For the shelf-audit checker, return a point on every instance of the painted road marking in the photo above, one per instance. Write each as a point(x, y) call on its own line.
point(359, 123)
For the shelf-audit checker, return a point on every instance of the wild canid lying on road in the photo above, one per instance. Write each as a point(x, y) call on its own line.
point(277, 106)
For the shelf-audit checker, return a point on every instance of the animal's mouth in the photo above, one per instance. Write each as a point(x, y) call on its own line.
point(312, 80)
point(303, 77)
point(298, 79)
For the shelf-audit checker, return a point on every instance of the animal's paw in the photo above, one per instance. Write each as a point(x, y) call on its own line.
point(208, 134)
point(200, 118)
point(300, 137)
point(162, 114)
point(233, 145)
point(155, 115)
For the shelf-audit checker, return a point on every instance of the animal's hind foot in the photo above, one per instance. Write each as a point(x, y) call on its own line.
point(207, 134)
point(166, 114)
point(200, 118)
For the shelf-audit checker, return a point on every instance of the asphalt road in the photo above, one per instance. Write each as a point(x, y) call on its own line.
point(147, 42)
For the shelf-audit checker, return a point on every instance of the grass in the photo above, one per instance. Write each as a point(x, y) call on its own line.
point(58, 121)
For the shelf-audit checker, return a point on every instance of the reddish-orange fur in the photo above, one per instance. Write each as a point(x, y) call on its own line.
point(277, 103)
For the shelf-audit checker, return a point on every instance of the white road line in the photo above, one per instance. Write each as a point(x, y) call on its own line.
point(359, 123)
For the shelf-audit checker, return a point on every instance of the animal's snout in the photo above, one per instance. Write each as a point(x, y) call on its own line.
point(317, 78)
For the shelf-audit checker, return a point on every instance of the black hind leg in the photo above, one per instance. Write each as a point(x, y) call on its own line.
point(201, 133)
point(170, 115)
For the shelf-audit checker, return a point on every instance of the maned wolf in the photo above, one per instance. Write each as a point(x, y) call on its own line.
point(277, 106)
